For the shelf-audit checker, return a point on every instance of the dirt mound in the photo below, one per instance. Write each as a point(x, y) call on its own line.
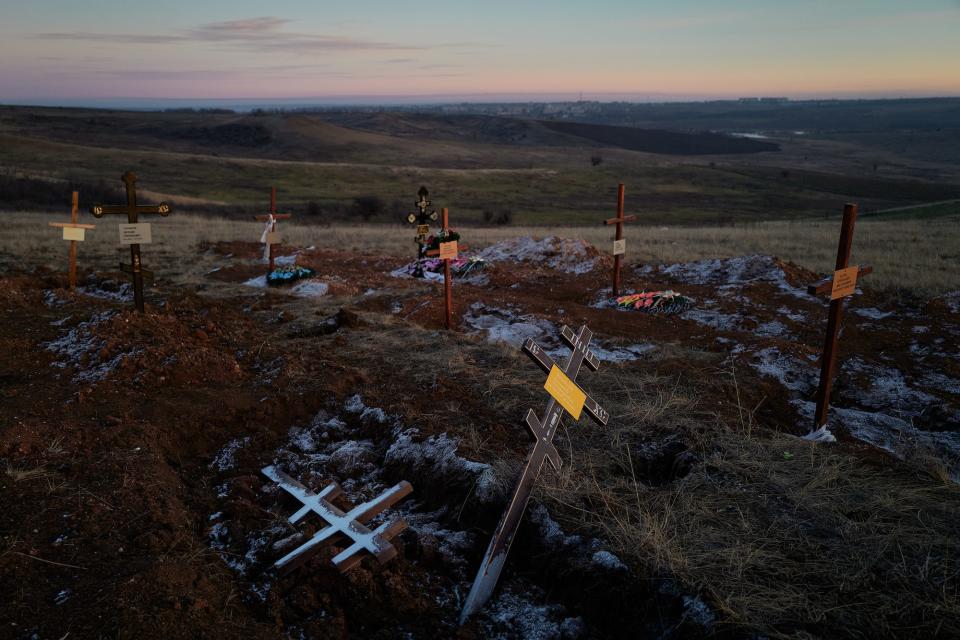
point(562, 254)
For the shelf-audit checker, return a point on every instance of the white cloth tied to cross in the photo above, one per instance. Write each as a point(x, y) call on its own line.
point(265, 237)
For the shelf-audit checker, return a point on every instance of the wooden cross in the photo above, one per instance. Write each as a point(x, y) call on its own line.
point(422, 220)
point(73, 231)
point(842, 284)
point(136, 234)
point(351, 524)
point(565, 396)
point(269, 234)
point(447, 252)
point(619, 245)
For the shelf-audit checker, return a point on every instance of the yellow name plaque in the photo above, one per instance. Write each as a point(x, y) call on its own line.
point(448, 250)
point(844, 282)
point(73, 233)
point(566, 392)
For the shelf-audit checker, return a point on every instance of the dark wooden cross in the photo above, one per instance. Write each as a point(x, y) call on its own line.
point(565, 396)
point(619, 246)
point(422, 220)
point(132, 210)
point(73, 231)
point(268, 234)
point(839, 287)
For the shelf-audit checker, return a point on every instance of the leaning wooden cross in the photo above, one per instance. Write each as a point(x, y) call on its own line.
point(422, 220)
point(619, 244)
point(447, 252)
point(350, 525)
point(270, 236)
point(842, 284)
point(74, 232)
point(133, 233)
point(565, 395)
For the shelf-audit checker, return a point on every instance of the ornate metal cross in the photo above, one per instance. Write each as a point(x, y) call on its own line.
point(839, 287)
point(350, 524)
point(132, 211)
point(73, 231)
point(543, 448)
point(619, 245)
point(422, 220)
point(268, 236)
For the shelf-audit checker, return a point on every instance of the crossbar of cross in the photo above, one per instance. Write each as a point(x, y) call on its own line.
point(351, 524)
point(543, 431)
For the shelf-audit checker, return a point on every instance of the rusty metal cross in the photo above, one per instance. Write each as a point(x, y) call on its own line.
point(422, 220)
point(619, 245)
point(74, 232)
point(132, 210)
point(269, 235)
point(543, 432)
point(839, 286)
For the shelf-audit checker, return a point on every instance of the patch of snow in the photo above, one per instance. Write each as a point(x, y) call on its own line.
point(820, 434)
point(715, 319)
point(226, 459)
point(122, 293)
point(941, 382)
point(62, 597)
point(80, 348)
point(790, 314)
point(771, 329)
point(260, 282)
point(792, 373)
point(513, 615)
point(550, 530)
point(699, 612)
point(872, 313)
point(952, 300)
point(920, 329)
point(569, 256)
point(887, 389)
point(355, 405)
point(609, 561)
point(438, 454)
point(286, 261)
point(310, 289)
point(734, 271)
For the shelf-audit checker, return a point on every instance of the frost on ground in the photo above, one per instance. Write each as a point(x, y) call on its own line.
point(509, 327)
point(513, 615)
point(310, 289)
point(793, 373)
point(895, 435)
point(731, 273)
point(951, 300)
point(80, 348)
point(569, 256)
point(886, 389)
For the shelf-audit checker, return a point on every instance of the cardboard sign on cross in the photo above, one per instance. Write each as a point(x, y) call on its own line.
point(74, 232)
point(842, 284)
point(269, 236)
point(619, 244)
point(422, 220)
point(133, 233)
point(567, 396)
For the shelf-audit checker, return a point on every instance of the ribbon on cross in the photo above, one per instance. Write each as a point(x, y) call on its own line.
point(265, 236)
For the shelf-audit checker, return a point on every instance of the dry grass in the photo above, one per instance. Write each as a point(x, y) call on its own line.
point(784, 538)
point(906, 254)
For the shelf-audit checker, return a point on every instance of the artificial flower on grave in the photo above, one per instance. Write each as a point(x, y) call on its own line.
point(666, 302)
point(286, 275)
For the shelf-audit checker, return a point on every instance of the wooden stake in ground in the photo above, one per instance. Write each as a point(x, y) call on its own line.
point(619, 244)
point(565, 395)
point(270, 236)
point(842, 284)
point(447, 252)
point(74, 232)
point(422, 220)
point(133, 233)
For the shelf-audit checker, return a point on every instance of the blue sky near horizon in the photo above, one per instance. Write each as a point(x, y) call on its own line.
point(59, 50)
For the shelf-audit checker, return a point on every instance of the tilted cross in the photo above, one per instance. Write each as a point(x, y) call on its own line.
point(565, 395)
point(447, 251)
point(841, 285)
point(74, 232)
point(132, 210)
point(269, 238)
point(422, 220)
point(619, 245)
point(350, 524)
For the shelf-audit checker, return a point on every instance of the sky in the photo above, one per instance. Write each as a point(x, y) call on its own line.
point(71, 52)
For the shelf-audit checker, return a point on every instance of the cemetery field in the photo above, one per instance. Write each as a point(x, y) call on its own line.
point(132, 445)
point(916, 254)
